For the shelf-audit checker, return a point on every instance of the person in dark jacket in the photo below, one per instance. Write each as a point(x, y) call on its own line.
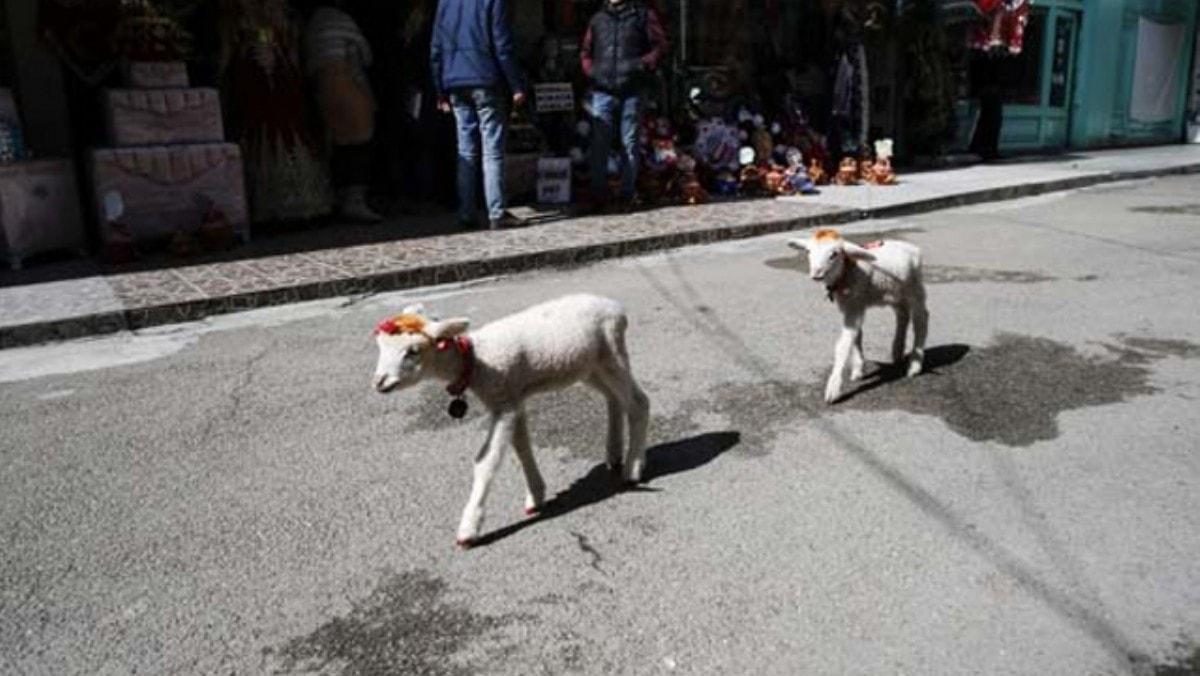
point(475, 72)
point(624, 43)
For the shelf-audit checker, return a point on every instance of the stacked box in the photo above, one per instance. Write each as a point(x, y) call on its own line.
point(165, 188)
point(39, 209)
point(141, 117)
point(170, 163)
point(39, 205)
point(155, 74)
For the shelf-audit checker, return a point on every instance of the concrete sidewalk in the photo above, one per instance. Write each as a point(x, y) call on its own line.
point(102, 302)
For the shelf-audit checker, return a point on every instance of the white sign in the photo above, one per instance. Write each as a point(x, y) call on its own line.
point(554, 97)
point(554, 180)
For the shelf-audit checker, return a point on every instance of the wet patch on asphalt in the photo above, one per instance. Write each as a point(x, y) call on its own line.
point(1013, 390)
point(1162, 347)
point(1010, 392)
point(404, 626)
point(1173, 210)
point(953, 274)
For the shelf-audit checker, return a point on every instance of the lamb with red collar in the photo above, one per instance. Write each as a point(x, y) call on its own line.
point(858, 277)
point(578, 338)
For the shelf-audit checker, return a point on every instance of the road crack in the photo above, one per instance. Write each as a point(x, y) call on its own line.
point(586, 547)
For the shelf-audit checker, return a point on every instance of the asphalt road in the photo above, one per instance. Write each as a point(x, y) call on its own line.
point(232, 497)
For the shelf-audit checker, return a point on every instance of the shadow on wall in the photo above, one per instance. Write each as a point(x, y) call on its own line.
point(600, 483)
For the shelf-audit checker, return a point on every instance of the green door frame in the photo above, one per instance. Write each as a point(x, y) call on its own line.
point(1045, 126)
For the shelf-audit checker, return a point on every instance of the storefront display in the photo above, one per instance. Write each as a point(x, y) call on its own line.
point(268, 111)
point(39, 205)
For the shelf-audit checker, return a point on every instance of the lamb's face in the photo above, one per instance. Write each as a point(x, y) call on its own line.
point(400, 360)
point(826, 256)
point(825, 261)
point(829, 254)
point(405, 343)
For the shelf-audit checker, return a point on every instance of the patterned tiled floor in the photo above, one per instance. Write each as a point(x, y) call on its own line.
point(283, 269)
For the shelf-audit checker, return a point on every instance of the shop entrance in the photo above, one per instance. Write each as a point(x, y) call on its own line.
point(1037, 85)
point(1038, 102)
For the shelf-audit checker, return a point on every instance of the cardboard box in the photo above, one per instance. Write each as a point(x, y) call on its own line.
point(159, 187)
point(141, 117)
point(39, 209)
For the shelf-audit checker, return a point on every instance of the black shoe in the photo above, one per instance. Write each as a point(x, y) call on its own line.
point(505, 221)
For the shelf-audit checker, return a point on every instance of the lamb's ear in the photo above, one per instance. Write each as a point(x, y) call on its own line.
point(857, 252)
point(798, 244)
point(414, 309)
point(447, 328)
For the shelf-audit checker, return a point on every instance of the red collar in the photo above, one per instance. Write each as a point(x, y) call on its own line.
point(467, 350)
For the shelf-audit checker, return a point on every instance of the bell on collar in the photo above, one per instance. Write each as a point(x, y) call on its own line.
point(458, 408)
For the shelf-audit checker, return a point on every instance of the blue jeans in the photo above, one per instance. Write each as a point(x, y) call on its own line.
point(606, 107)
point(481, 114)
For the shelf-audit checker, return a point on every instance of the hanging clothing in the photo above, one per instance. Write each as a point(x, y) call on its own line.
point(851, 100)
point(336, 57)
point(1002, 27)
point(268, 113)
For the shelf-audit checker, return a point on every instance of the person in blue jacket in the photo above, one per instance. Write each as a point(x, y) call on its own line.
point(475, 73)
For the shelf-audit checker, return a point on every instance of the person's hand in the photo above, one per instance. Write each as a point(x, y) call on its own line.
point(519, 99)
point(443, 104)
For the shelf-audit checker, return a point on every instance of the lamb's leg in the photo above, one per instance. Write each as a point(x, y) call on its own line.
point(920, 330)
point(615, 442)
point(617, 374)
point(639, 421)
point(536, 493)
point(500, 436)
point(851, 326)
point(857, 362)
point(901, 335)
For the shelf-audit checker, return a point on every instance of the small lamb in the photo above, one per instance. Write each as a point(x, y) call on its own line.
point(857, 277)
point(546, 347)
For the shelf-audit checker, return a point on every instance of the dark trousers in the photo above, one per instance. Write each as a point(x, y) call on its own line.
point(987, 86)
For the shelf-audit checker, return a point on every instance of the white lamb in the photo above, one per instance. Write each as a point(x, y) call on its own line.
point(578, 338)
point(856, 278)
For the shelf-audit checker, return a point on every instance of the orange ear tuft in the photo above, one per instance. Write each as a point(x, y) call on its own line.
point(826, 235)
point(409, 323)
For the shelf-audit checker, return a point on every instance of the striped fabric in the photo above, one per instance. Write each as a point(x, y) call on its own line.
point(333, 36)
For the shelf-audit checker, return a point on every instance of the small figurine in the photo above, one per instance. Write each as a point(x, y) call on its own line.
point(816, 173)
point(883, 174)
point(796, 179)
point(883, 163)
point(725, 184)
point(750, 181)
point(866, 170)
point(847, 172)
point(774, 181)
point(691, 191)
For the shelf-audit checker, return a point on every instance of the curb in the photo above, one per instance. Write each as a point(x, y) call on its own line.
point(71, 328)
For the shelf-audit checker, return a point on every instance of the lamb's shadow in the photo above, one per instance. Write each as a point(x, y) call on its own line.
point(935, 358)
point(600, 483)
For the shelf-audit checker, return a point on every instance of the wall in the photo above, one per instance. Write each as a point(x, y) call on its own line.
point(1105, 77)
